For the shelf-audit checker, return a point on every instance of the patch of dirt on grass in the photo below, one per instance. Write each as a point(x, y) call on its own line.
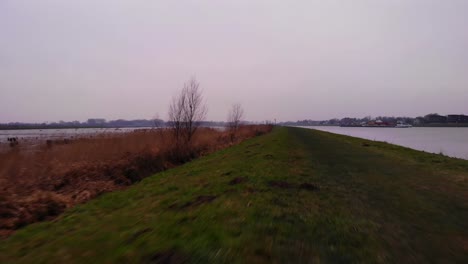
point(250, 190)
point(199, 201)
point(309, 186)
point(281, 184)
point(169, 257)
point(137, 234)
point(294, 159)
point(287, 185)
point(227, 173)
point(187, 219)
point(237, 180)
point(253, 145)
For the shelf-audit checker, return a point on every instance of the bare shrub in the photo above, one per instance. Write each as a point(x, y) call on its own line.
point(235, 115)
point(186, 112)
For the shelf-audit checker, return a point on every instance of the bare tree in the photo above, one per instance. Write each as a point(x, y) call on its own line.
point(194, 108)
point(158, 125)
point(235, 115)
point(186, 111)
point(157, 122)
point(176, 116)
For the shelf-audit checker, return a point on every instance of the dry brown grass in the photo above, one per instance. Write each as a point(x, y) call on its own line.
point(39, 183)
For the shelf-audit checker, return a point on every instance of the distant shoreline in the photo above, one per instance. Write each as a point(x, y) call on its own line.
point(425, 125)
point(443, 125)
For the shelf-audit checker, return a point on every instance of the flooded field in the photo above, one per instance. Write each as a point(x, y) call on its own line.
point(34, 137)
point(60, 133)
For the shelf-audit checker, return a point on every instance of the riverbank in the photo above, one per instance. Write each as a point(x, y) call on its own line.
point(443, 125)
point(293, 195)
point(438, 140)
point(414, 125)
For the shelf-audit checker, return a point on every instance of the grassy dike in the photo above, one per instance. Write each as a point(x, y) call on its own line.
point(294, 195)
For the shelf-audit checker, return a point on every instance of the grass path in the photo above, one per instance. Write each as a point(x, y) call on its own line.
point(294, 195)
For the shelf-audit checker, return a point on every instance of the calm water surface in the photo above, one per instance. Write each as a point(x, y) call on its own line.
point(60, 133)
point(451, 141)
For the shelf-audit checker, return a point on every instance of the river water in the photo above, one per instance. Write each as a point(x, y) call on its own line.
point(451, 141)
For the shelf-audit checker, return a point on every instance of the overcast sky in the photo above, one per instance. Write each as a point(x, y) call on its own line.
point(289, 60)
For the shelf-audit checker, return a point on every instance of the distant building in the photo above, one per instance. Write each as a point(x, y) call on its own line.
point(96, 121)
point(457, 119)
point(435, 118)
point(419, 120)
point(348, 121)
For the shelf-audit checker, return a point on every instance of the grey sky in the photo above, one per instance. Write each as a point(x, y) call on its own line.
point(73, 60)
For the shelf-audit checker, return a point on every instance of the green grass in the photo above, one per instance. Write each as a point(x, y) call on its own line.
point(376, 202)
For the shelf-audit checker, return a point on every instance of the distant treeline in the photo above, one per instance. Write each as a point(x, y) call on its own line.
point(427, 120)
point(100, 123)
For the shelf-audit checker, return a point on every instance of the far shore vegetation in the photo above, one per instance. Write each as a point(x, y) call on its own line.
point(430, 120)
